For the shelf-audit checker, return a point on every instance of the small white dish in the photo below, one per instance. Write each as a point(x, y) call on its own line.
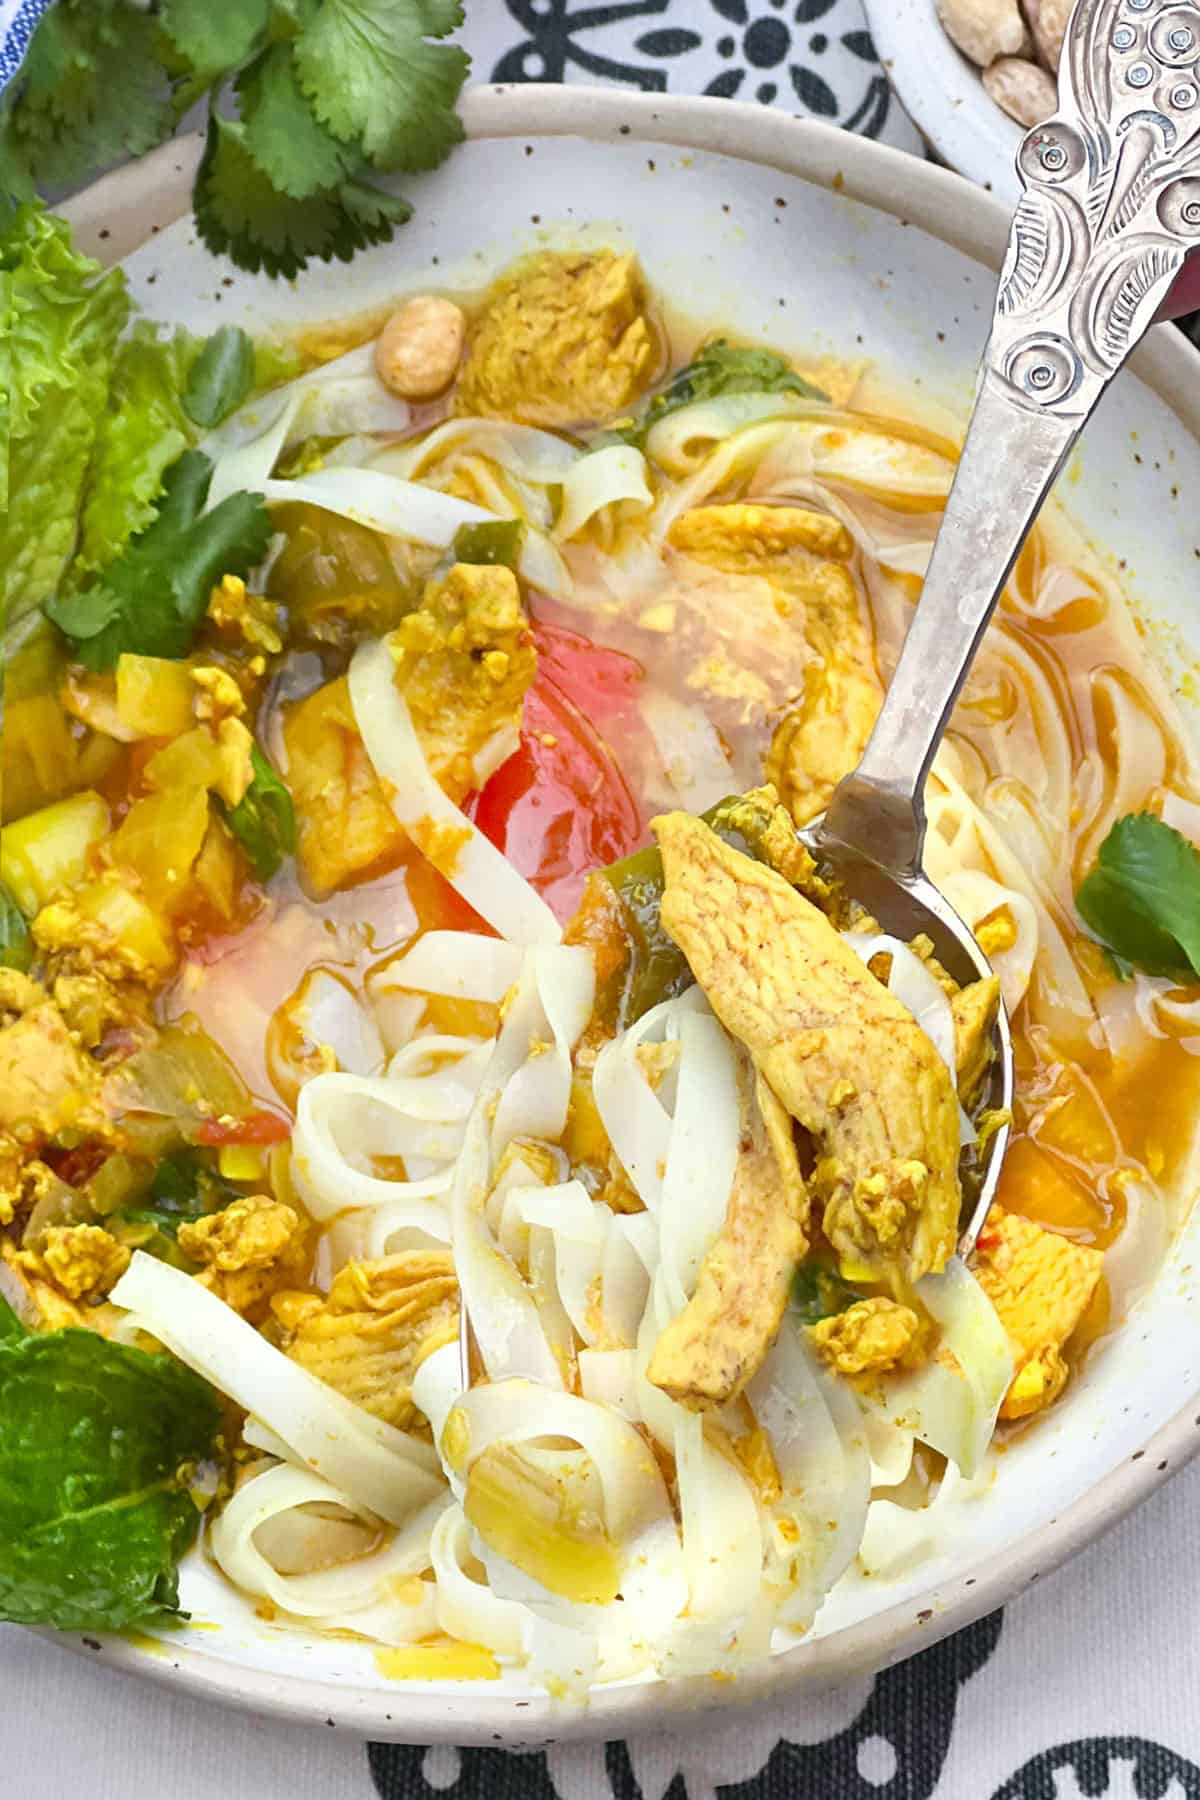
point(943, 94)
point(817, 241)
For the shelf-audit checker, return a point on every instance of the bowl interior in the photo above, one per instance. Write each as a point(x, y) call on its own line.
point(749, 242)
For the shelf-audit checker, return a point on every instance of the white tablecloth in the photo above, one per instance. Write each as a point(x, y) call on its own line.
point(1089, 1685)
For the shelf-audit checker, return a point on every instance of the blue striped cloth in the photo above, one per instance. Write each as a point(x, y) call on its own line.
point(18, 22)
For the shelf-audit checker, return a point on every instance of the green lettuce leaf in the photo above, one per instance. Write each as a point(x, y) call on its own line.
point(62, 320)
point(144, 429)
point(96, 1443)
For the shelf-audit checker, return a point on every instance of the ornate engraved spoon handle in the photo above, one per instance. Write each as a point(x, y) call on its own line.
point(1111, 208)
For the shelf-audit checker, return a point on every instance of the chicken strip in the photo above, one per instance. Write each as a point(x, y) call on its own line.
point(848, 1061)
point(713, 1347)
point(975, 1009)
point(1041, 1285)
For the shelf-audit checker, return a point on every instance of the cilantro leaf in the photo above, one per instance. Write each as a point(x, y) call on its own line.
point(95, 1440)
point(283, 135)
point(153, 597)
point(264, 820)
point(93, 90)
point(214, 39)
point(221, 377)
point(722, 368)
point(16, 945)
point(376, 80)
point(240, 211)
point(1142, 900)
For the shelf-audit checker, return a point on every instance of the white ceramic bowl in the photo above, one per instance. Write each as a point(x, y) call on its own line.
point(941, 91)
point(813, 239)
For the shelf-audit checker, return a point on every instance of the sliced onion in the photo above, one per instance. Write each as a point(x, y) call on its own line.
point(952, 1409)
point(387, 1471)
point(601, 479)
point(479, 872)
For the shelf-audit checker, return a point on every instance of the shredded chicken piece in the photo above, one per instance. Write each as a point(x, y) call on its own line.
point(370, 1334)
point(847, 1060)
point(873, 1334)
point(563, 338)
point(47, 1084)
point(975, 1009)
point(252, 616)
point(708, 1353)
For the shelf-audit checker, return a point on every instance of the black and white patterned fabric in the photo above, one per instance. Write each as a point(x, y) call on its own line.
point(1086, 1688)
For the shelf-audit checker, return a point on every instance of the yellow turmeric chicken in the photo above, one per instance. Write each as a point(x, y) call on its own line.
point(372, 1331)
point(563, 338)
point(831, 690)
point(847, 1060)
point(717, 1343)
point(464, 659)
point(1041, 1285)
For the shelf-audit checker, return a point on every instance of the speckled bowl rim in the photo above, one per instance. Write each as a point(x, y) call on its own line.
point(114, 217)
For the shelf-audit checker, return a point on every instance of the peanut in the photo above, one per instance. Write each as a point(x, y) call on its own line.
point(1025, 92)
point(984, 29)
point(419, 349)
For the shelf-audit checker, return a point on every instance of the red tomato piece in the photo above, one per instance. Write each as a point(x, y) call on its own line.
point(602, 683)
point(559, 807)
point(256, 1128)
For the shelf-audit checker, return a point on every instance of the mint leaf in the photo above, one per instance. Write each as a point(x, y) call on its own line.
point(282, 134)
point(214, 39)
point(375, 79)
point(1142, 900)
point(221, 377)
point(264, 820)
point(721, 368)
point(95, 1442)
point(152, 599)
point(818, 1291)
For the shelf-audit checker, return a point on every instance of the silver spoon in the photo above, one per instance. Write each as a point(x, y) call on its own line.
point(1111, 208)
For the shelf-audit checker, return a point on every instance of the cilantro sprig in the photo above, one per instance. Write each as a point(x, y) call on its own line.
point(309, 100)
point(1142, 900)
point(152, 598)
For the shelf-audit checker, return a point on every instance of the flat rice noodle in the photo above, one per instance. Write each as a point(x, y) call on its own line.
point(362, 1595)
point(479, 872)
point(387, 1471)
point(601, 479)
